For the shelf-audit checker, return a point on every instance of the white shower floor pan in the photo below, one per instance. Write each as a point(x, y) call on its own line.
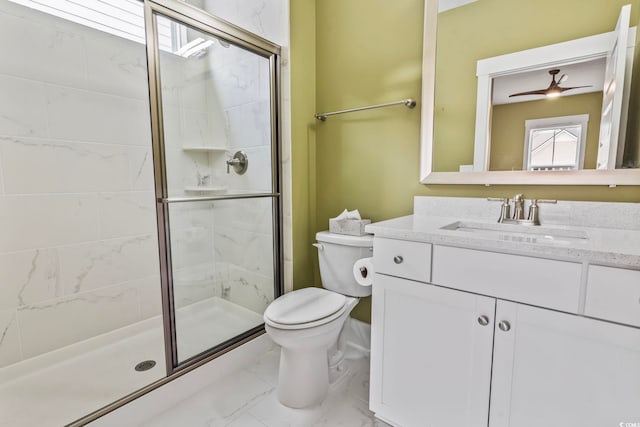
point(61, 386)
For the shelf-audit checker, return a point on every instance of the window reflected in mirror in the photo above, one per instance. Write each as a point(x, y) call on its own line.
point(555, 146)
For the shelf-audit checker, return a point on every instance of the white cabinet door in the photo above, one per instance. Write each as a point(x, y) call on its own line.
point(556, 369)
point(430, 354)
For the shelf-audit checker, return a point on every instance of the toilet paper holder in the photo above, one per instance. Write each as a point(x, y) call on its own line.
point(364, 272)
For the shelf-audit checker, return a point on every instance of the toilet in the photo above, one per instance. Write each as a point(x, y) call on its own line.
point(307, 323)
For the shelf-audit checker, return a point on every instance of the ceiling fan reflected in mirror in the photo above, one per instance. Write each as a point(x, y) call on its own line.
point(554, 90)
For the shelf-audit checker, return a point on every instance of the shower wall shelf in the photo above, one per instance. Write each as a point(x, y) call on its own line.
point(409, 103)
point(203, 148)
point(207, 190)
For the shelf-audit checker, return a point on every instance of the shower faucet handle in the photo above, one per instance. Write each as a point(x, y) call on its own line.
point(232, 162)
point(239, 161)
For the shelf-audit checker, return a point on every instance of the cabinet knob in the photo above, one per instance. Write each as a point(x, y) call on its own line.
point(504, 326)
point(483, 320)
point(398, 259)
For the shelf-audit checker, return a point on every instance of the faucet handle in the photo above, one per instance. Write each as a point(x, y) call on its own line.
point(534, 216)
point(239, 162)
point(505, 209)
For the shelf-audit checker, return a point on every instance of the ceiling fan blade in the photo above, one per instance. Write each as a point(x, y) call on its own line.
point(554, 88)
point(562, 89)
point(531, 92)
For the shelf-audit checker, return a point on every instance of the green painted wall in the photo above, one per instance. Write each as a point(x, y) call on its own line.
point(303, 138)
point(366, 52)
point(507, 124)
point(485, 29)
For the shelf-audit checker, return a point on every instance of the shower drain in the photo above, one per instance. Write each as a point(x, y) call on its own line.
point(145, 366)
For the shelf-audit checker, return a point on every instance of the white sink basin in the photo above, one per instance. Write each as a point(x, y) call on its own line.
point(520, 233)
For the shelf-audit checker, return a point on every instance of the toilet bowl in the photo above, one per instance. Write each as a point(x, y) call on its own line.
point(306, 323)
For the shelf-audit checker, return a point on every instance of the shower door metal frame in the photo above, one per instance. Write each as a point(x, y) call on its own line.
point(198, 19)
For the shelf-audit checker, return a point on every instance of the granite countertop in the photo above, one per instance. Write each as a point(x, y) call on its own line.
point(604, 246)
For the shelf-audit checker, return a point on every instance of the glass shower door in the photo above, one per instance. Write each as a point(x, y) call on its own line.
point(217, 185)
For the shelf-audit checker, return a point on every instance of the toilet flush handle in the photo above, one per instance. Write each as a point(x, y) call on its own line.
point(319, 246)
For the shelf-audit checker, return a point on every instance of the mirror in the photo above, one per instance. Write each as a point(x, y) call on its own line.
point(476, 51)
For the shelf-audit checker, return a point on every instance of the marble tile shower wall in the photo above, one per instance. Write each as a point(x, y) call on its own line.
point(191, 118)
point(219, 100)
point(269, 19)
point(243, 229)
point(243, 253)
point(223, 248)
point(78, 249)
point(189, 122)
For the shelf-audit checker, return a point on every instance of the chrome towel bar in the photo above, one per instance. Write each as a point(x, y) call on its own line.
point(409, 103)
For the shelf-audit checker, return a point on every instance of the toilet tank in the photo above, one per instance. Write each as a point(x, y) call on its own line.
point(336, 254)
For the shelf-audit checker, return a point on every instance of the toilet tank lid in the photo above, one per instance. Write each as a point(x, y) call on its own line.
point(365, 241)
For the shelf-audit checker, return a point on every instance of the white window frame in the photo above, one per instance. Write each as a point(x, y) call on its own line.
point(581, 120)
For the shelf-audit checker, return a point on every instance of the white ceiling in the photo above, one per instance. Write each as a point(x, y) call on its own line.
point(580, 74)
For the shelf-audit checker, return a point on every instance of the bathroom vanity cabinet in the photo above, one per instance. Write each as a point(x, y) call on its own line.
point(468, 337)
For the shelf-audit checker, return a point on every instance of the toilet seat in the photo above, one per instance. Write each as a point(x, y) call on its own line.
point(305, 308)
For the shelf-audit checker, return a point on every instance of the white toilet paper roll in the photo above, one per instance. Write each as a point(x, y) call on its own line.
point(363, 271)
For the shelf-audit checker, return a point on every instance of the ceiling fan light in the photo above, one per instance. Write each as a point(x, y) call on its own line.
point(553, 94)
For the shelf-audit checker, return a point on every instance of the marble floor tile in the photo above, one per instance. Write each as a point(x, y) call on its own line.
point(246, 420)
point(220, 404)
point(248, 398)
point(270, 412)
point(266, 368)
point(349, 412)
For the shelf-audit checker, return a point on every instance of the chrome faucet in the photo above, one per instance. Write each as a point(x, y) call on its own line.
point(533, 218)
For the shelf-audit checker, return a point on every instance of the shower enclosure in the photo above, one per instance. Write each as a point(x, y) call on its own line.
point(216, 181)
point(140, 196)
